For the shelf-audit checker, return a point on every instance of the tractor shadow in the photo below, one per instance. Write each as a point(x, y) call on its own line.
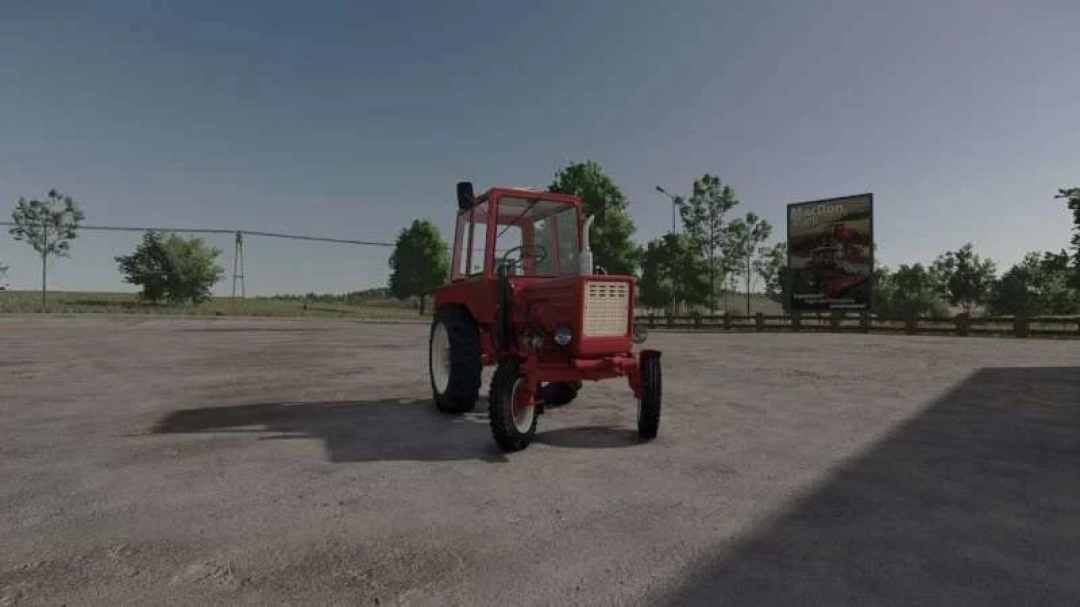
point(974, 501)
point(589, 437)
point(351, 431)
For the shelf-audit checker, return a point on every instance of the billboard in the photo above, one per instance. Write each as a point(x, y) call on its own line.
point(831, 254)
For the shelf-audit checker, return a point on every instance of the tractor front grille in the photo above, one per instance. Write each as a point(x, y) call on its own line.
point(607, 308)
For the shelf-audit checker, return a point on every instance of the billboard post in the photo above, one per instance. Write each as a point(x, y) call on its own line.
point(831, 254)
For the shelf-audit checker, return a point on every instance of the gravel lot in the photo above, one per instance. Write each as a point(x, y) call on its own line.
point(298, 462)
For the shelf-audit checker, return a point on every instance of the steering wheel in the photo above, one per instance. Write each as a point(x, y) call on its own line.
point(539, 254)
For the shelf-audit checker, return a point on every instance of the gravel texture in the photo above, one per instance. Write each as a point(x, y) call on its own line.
point(299, 462)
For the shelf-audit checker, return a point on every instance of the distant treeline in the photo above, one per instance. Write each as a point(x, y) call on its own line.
point(380, 295)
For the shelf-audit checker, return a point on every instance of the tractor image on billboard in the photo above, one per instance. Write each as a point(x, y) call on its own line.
point(525, 298)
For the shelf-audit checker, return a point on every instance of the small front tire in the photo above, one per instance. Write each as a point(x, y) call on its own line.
point(513, 430)
point(649, 403)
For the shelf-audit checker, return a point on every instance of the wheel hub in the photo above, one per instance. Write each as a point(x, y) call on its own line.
point(440, 358)
point(524, 411)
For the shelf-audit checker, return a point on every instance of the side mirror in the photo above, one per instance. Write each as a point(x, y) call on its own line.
point(465, 198)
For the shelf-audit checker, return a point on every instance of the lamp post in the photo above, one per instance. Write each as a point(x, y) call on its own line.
point(674, 207)
point(674, 229)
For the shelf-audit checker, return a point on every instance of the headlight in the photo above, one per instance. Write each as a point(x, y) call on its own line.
point(640, 334)
point(563, 335)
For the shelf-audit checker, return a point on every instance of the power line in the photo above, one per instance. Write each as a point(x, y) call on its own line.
point(318, 238)
point(238, 253)
point(134, 229)
point(225, 231)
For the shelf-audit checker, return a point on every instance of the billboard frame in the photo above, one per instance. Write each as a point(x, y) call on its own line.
point(871, 305)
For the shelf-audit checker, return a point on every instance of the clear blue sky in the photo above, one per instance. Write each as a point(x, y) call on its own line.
point(350, 119)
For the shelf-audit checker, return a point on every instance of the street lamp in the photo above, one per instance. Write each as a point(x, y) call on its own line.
point(674, 207)
point(674, 218)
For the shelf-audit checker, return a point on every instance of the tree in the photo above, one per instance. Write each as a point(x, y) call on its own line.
point(964, 278)
point(171, 268)
point(742, 250)
point(671, 269)
point(420, 263)
point(656, 288)
point(610, 236)
point(703, 220)
point(48, 226)
point(729, 271)
point(1072, 201)
point(1054, 282)
point(910, 291)
point(771, 266)
point(1015, 292)
point(1037, 285)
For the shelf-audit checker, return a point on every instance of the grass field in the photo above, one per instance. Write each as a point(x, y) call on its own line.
point(80, 302)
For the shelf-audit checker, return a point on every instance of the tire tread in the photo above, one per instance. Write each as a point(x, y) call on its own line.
point(463, 389)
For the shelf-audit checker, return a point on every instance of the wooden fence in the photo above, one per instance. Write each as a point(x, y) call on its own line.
point(962, 325)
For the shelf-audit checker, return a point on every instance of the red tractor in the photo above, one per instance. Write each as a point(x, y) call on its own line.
point(523, 296)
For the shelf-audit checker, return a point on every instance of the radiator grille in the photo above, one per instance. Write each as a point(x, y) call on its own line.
point(607, 308)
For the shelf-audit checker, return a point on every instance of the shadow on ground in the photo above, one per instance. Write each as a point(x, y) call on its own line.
point(353, 431)
point(589, 437)
point(974, 502)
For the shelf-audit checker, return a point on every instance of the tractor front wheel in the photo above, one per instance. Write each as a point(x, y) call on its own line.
point(513, 429)
point(649, 403)
point(454, 361)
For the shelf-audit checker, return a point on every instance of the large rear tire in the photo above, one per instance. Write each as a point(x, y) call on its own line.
point(513, 430)
point(454, 363)
point(649, 403)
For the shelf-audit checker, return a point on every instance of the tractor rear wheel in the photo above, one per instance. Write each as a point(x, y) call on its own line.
point(649, 403)
point(513, 430)
point(454, 361)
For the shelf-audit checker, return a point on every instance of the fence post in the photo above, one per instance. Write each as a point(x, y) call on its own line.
point(834, 320)
point(759, 319)
point(1020, 325)
point(911, 324)
point(864, 322)
point(796, 321)
point(963, 324)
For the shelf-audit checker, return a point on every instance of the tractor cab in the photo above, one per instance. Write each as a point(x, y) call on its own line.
point(516, 232)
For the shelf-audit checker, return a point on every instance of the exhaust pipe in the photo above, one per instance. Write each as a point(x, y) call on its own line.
point(585, 262)
point(465, 197)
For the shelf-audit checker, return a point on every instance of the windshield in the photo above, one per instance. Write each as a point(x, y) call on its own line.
point(551, 226)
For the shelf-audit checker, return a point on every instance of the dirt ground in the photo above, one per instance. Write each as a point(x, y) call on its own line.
point(298, 462)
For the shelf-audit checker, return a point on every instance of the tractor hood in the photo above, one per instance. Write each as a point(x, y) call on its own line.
point(597, 310)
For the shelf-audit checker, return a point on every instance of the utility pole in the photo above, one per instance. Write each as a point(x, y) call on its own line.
point(238, 265)
point(674, 229)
